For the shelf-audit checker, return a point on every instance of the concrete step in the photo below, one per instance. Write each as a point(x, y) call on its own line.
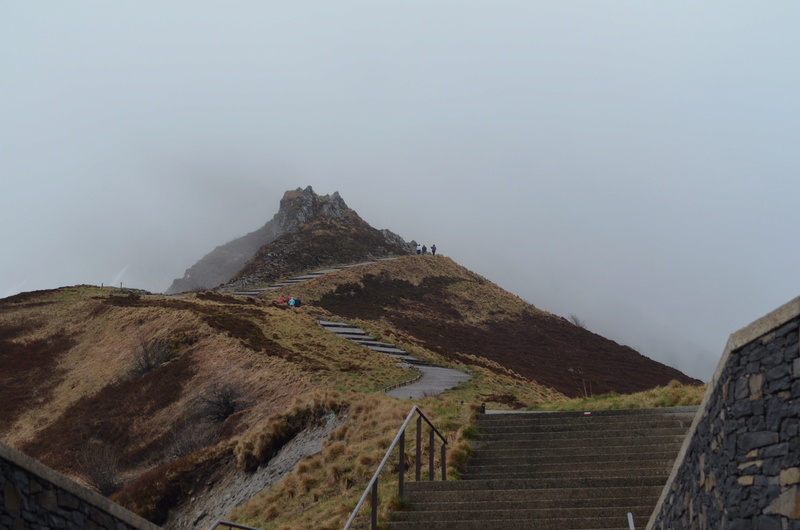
point(659, 474)
point(537, 497)
point(567, 467)
point(595, 435)
point(344, 330)
point(618, 522)
point(645, 505)
point(555, 471)
point(536, 484)
point(497, 415)
point(584, 424)
point(561, 512)
point(383, 349)
point(353, 336)
point(614, 448)
point(546, 458)
point(612, 444)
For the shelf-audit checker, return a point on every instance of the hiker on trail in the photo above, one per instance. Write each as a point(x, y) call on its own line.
point(433, 249)
point(281, 300)
point(297, 302)
point(291, 301)
point(424, 250)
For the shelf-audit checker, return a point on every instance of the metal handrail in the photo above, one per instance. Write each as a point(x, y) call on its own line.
point(400, 438)
point(232, 525)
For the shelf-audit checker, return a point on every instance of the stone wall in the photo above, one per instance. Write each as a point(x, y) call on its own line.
point(34, 497)
point(739, 467)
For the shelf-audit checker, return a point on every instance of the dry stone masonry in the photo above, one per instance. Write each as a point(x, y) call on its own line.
point(740, 466)
point(35, 497)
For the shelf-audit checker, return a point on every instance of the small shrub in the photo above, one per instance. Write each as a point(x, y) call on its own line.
point(100, 466)
point(220, 401)
point(149, 355)
point(578, 321)
point(190, 437)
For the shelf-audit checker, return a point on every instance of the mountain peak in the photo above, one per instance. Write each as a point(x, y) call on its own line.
point(301, 206)
point(346, 237)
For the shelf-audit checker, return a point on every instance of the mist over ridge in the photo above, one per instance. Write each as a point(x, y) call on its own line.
point(633, 164)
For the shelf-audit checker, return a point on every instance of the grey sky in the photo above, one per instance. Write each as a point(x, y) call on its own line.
point(635, 163)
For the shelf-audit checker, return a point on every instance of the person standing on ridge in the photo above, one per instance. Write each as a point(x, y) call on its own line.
point(433, 249)
point(424, 250)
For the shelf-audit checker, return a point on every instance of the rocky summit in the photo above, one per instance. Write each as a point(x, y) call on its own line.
point(308, 231)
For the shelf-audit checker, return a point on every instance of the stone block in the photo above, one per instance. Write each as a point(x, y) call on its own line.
point(753, 367)
point(746, 480)
point(777, 372)
point(796, 368)
point(751, 467)
point(754, 440)
point(47, 500)
point(758, 407)
point(790, 476)
point(772, 360)
point(12, 499)
point(790, 352)
point(767, 522)
point(777, 450)
point(758, 423)
point(67, 500)
point(787, 504)
point(754, 383)
point(34, 487)
point(78, 519)
point(786, 329)
point(742, 408)
point(741, 388)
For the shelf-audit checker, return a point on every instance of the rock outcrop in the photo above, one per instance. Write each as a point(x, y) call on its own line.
point(304, 218)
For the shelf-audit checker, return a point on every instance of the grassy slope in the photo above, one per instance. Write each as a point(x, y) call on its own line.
point(67, 356)
point(466, 318)
point(66, 380)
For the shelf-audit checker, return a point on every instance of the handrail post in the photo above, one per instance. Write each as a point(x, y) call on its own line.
point(430, 468)
point(400, 439)
point(375, 505)
point(444, 462)
point(419, 447)
point(401, 468)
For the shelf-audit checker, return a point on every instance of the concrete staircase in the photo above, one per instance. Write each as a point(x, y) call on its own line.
point(302, 278)
point(432, 380)
point(555, 470)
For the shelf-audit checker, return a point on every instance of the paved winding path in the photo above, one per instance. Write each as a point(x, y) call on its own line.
point(434, 379)
point(298, 279)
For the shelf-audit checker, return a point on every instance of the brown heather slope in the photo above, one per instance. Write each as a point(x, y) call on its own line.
point(459, 314)
point(66, 383)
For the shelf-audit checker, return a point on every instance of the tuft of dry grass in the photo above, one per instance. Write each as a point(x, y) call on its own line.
point(321, 491)
point(267, 438)
point(675, 394)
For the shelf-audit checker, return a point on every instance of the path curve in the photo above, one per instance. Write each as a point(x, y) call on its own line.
point(434, 380)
